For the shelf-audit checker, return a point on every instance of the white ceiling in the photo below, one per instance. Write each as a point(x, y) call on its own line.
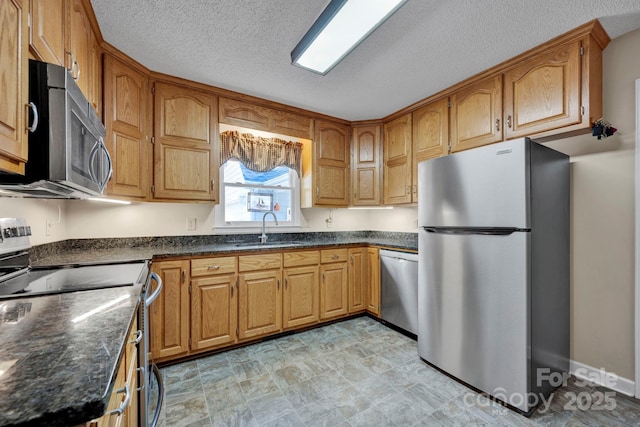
point(426, 46)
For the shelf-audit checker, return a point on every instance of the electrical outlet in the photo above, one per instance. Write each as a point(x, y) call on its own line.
point(329, 222)
point(49, 226)
point(191, 224)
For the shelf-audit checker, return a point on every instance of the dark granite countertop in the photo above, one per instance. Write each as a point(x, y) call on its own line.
point(56, 368)
point(136, 249)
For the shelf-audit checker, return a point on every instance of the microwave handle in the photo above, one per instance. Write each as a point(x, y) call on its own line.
point(92, 158)
point(103, 147)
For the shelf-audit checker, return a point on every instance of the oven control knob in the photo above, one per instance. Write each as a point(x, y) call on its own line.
point(8, 233)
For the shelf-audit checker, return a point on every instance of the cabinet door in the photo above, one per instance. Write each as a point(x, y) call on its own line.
point(170, 312)
point(331, 160)
point(186, 144)
point(373, 281)
point(366, 150)
point(128, 121)
point(46, 36)
point(397, 161)
point(301, 295)
point(95, 80)
point(214, 311)
point(357, 279)
point(14, 75)
point(260, 303)
point(543, 93)
point(476, 114)
point(333, 290)
point(430, 136)
point(80, 37)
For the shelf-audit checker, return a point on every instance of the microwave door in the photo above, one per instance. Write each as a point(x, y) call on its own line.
point(83, 150)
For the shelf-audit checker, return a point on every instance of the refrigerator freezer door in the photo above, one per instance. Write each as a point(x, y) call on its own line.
point(483, 187)
point(473, 310)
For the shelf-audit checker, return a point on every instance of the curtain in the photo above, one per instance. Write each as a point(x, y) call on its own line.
point(260, 154)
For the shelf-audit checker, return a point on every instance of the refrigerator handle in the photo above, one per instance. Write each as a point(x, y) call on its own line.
point(486, 231)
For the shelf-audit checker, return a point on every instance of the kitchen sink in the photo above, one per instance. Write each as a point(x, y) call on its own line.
point(262, 245)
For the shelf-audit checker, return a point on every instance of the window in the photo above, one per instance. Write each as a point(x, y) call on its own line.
point(246, 195)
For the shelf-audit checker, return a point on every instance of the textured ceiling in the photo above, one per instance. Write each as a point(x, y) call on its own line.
point(426, 46)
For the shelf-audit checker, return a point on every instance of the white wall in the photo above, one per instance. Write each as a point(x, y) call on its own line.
point(37, 212)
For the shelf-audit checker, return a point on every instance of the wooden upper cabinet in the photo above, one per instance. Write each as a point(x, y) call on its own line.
point(47, 30)
point(14, 88)
point(543, 93)
point(128, 121)
point(79, 47)
point(397, 161)
point(253, 116)
point(476, 114)
point(186, 150)
point(331, 164)
point(366, 162)
point(430, 136)
point(170, 312)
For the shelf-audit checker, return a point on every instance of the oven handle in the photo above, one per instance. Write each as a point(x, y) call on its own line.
point(156, 415)
point(155, 293)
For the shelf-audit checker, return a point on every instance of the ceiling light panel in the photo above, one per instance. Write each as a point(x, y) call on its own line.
point(340, 28)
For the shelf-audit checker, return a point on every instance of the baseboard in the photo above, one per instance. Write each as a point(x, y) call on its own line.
point(602, 378)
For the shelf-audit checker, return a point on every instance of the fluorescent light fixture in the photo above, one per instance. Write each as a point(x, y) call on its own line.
point(370, 207)
point(100, 199)
point(339, 29)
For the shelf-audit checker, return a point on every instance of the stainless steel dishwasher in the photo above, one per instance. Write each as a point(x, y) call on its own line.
point(399, 289)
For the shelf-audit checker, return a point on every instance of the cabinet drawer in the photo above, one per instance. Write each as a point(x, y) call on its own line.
point(333, 255)
point(294, 259)
point(209, 266)
point(259, 262)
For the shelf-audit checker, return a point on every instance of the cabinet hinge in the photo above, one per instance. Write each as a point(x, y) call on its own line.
point(237, 333)
point(29, 23)
point(449, 104)
point(189, 288)
point(153, 89)
point(153, 139)
point(153, 189)
point(449, 149)
point(189, 342)
point(581, 50)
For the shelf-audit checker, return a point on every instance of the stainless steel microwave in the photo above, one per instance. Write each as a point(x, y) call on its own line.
point(67, 155)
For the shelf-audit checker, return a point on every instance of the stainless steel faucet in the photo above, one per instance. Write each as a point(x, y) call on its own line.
point(263, 237)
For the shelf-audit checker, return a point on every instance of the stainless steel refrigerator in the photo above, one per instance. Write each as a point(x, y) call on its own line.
point(493, 269)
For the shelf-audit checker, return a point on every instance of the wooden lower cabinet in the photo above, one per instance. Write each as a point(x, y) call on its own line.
point(373, 281)
point(214, 311)
point(170, 312)
point(333, 290)
point(301, 295)
point(357, 280)
point(259, 303)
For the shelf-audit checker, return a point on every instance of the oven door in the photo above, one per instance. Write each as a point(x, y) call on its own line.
point(151, 386)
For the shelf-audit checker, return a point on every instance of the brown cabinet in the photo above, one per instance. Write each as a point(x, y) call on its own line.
point(170, 312)
point(476, 114)
point(47, 30)
point(214, 311)
point(373, 281)
point(334, 285)
point(259, 295)
point(300, 299)
point(14, 75)
point(79, 45)
point(331, 164)
point(366, 165)
point(397, 161)
point(186, 150)
point(258, 117)
point(430, 136)
point(128, 118)
point(543, 93)
point(358, 280)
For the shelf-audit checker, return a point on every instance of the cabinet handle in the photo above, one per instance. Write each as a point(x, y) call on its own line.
point(124, 404)
point(213, 267)
point(232, 286)
point(34, 125)
point(351, 259)
point(138, 338)
point(334, 257)
point(498, 125)
point(278, 284)
point(286, 283)
point(75, 65)
point(509, 121)
point(184, 276)
point(323, 278)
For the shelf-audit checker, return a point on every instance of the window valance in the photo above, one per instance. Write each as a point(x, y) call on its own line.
point(260, 154)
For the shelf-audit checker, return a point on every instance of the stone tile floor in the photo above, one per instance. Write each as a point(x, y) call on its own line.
point(356, 373)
